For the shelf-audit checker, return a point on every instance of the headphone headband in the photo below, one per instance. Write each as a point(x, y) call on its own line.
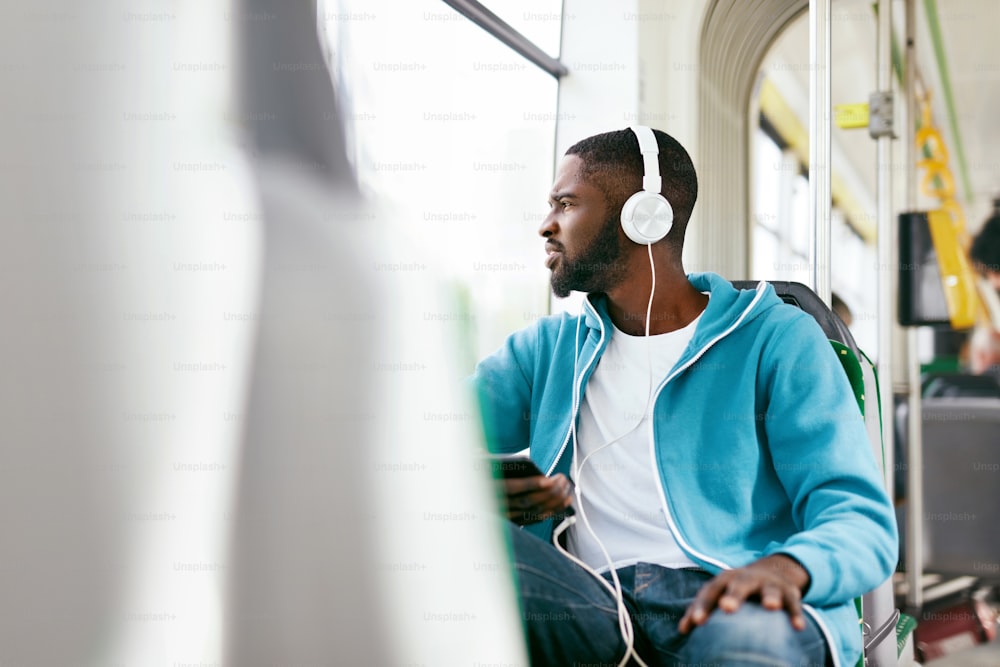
point(651, 181)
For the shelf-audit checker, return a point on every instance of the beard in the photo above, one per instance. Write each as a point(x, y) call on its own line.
point(598, 267)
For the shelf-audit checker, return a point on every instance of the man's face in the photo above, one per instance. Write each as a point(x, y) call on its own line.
point(583, 238)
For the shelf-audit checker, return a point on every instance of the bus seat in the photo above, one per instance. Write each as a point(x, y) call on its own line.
point(956, 385)
point(878, 616)
point(937, 385)
point(961, 499)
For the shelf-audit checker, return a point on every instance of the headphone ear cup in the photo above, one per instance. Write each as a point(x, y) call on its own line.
point(647, 217)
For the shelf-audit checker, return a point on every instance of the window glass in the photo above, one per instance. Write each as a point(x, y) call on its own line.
point(538, 20)
point(765, 253)
point(780, 190)
point(801, 220)
point(853, 278)
point(767, 161)
point(781, 214)
point(453, 135)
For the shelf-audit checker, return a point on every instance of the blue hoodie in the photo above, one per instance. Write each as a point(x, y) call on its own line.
point(758, 440)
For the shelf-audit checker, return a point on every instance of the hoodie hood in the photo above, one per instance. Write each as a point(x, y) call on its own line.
point(728, 309)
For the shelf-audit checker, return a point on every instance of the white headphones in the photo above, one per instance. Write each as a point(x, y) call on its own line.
point(647, 216)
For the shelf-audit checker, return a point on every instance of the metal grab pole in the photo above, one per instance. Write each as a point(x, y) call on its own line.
point(819, 144)
point(887, 267)
point(915, 425)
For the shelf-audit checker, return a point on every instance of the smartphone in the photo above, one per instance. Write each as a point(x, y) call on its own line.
point(513, 466)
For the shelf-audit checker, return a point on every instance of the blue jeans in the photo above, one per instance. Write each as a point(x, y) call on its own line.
point(570, 619)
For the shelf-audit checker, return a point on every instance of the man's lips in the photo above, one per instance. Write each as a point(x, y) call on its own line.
point(553, 254)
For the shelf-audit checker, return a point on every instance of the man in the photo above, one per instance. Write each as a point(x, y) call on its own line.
point(716, 451)
point(984, 345)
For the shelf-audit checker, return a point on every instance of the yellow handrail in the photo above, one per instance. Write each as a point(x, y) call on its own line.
point(947, 224)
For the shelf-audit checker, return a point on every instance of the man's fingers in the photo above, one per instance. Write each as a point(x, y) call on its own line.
point(703, 604)
point(738, 589)
point(538, 483)
point(729, 590)
point(798, 620)
point(534, 499)
point(538, 503)
point(695, 615)
point(793, 605)
point(686, 623)
point(520, 485)
point(771, 597)
point(539, 491)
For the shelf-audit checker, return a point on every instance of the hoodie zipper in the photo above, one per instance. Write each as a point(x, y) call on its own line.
point(834, 648)
point(652, 435)
point(577, 382)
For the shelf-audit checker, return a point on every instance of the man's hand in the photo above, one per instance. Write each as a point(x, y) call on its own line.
point(534, 499)
point(777, 580)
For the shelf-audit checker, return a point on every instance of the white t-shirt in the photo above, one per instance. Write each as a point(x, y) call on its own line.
point(620, 483)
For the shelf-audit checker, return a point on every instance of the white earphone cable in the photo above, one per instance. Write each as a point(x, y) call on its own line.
point(624, 619)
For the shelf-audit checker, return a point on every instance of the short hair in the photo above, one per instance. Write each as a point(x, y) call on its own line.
point(613, 162)
point(985, 250)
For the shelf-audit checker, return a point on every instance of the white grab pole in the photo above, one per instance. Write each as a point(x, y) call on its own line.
point(915, 434)
point(819, 144)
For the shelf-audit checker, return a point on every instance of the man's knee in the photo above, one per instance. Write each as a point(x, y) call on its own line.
point(753, 636)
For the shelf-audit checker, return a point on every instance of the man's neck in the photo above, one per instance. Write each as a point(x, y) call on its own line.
point(676, 303)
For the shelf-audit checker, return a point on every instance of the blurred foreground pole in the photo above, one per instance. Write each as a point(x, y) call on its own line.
point(365, 529)
point(63, 545)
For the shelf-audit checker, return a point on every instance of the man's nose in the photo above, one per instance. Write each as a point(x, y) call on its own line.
point(549, 226)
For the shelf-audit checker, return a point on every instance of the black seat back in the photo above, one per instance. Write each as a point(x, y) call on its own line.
point(804, 298)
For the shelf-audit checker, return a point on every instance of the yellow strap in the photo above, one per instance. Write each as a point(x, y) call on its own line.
point(957, 278)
